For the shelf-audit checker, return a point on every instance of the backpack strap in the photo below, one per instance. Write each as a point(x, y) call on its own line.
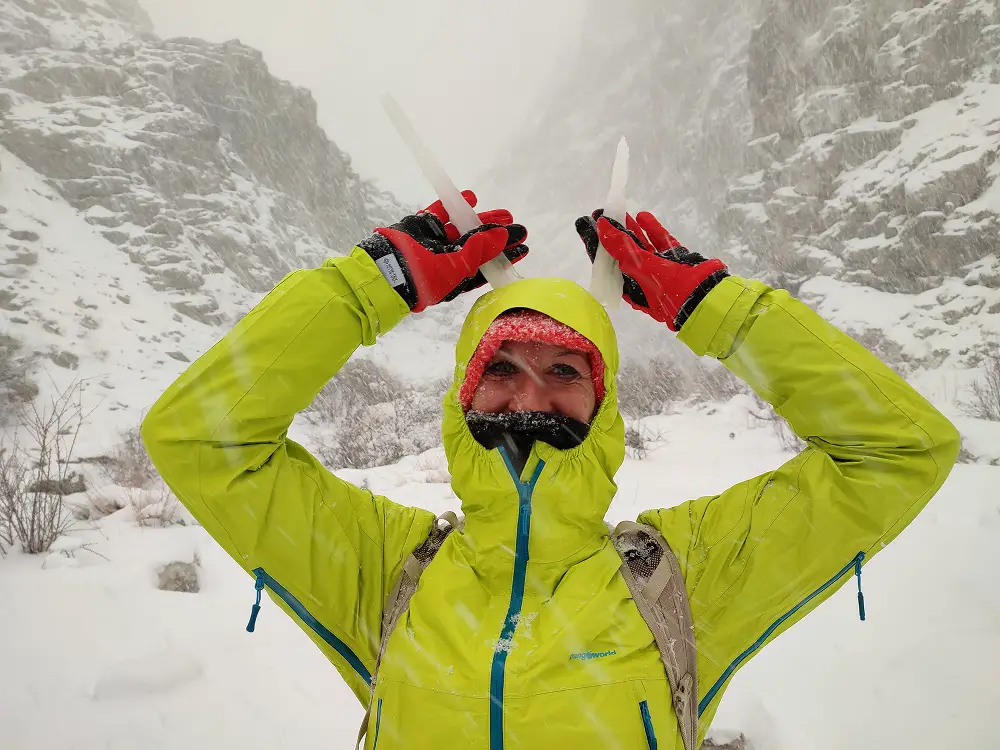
point(399, 598)
point(653, 575)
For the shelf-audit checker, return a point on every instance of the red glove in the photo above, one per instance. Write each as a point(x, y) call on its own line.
point(662, 277)
point(426, 261)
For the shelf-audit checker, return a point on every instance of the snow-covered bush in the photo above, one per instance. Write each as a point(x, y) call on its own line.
point(648, 388)
point(372, 418)
point(128, 464)
point(432, 467)
point(16, 386)
point(639, 438)
point(35, 474)
point(713, 382)
point(765, 415)
point(155, 505)
point(134, 483)
point(635, 443)
point(986, 391)
point(179, 576)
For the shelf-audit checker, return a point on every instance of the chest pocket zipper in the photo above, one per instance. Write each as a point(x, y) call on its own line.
point(647, 724)
point(378, 723)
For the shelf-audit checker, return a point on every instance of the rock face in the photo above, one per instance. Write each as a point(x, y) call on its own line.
point(178, 576)
point(884, 118)
point(874, 161)
point(837, 148)
point(203, 168)
point(671, 77)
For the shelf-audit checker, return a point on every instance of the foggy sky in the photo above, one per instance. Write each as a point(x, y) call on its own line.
point(463, 70)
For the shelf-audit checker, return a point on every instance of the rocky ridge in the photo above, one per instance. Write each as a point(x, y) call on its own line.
point(843, 149)
point(189, 156)
point(874, 163)
point(151, 191)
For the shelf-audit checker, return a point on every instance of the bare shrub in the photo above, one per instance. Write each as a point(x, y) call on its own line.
point(433, 466)
point(154, 507)
point(96, 505)
point(375, 418)
point(33, 477)
point(648, 388)
point(765, 414)
point(359, 382)
point(965, 456)
point(128, 464)
point(986, 391)
point(739, 743)
point(638, 439)
point(16, 386)
point(713, 382)
point(635, 443)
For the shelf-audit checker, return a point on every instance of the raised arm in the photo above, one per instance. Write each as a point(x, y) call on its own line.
point(761, 555)
point(326, 551)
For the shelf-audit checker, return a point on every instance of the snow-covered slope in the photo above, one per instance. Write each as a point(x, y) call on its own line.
point(150, 192)
point(877, 129)
point(152, 669)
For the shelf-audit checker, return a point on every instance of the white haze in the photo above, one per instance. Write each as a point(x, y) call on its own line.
point(466, 72)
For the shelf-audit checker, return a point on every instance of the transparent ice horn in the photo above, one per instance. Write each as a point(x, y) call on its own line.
point(606, 280)
point(499, 271)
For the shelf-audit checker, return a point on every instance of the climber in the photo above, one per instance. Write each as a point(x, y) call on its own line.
point(522, 633)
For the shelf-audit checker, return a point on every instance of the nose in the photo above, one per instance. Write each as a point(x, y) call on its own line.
point(530, 394)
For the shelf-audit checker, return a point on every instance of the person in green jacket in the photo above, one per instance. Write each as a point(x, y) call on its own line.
point(522, 633)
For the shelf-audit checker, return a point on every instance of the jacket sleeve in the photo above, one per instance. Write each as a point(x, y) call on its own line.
point(761, 555)
point(218, 436)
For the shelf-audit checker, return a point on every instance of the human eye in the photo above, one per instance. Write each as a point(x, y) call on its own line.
point(564, 371)
point(501, 368)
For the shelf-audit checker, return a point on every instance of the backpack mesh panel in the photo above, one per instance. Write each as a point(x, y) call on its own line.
point(642, 555)
point(426, 551)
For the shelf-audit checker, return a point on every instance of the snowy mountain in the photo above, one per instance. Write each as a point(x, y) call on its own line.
point(844, 150)
point(672, 78)
point(873, 164)
point(150, 192)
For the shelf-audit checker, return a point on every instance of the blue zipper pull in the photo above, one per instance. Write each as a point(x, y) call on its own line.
point(861, 596)
point(259, 586)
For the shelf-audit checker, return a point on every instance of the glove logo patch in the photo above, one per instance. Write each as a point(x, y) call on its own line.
point(390, 268)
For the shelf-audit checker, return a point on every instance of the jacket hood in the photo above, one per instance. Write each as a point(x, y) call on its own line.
point(574, 488)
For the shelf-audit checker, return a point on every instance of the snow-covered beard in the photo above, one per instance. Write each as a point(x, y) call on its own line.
point(517, 431)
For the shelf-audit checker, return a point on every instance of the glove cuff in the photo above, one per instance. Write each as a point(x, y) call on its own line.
point(392, 263)
point(695, 298)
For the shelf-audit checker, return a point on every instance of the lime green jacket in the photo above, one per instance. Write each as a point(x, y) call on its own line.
point(522, 633)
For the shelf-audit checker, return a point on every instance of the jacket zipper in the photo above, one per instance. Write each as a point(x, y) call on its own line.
point(647, 724)
point(263, 579)
point(855, 563)
point(524, 490)
point(378, 722)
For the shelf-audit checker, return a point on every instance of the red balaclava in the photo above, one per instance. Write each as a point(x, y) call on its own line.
point(528, 325)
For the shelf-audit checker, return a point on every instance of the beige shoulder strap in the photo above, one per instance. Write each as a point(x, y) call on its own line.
point(653, 576)
point(402, 592)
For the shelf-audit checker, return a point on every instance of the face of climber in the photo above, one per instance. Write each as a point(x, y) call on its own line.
point(535, 376)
